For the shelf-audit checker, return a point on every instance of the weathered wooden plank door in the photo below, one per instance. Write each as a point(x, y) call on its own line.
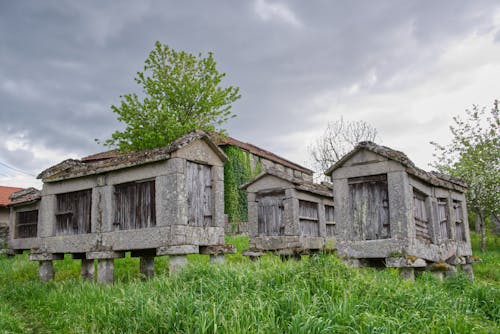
point(308, 218)
point(73, 212)
point(199, 193)
point(270, 214)
point(442, 214)
point(421, 217)
point(369, 207)
point(135, 205)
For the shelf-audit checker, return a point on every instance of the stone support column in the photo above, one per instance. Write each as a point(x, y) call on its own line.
point(177, 263)
point(147, 266)
point(46, 270)
point(105, 271)
point(408, 274)
point(88, 269)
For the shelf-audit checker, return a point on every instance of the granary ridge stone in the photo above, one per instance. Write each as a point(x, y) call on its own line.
point(434, 178)
point(72, 168)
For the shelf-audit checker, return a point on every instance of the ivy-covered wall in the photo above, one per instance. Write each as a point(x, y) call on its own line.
point(237, 171)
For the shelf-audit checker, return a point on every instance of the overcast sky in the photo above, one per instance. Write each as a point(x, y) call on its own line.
point(406, 67)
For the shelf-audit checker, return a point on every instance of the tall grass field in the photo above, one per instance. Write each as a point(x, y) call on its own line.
point(318, 294)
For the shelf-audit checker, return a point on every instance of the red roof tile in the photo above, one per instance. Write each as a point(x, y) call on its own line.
point(5, 192)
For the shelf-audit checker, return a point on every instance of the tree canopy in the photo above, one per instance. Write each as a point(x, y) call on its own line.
point(339, 138)
point(181, 92)
point(474, 156)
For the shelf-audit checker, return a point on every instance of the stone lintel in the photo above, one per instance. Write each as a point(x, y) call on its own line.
point(439, 267)
point(46, 256)
point(218, 249)
point(104, 255)
point(405, 262)
point(178, 250)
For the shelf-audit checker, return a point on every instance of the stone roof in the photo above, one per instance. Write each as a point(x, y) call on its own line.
point(220, 141)
point(5, 192)
point(91, 165)
point(323, 189)
point(434, 178)
point(25, 196)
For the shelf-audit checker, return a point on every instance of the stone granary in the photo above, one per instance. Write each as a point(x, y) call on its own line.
point(5, 192)
point(389, 212)
point(164, 201)
point(288, 215)
point(24, 208)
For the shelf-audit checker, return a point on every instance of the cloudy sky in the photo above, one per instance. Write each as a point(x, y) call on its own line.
point(406, 67)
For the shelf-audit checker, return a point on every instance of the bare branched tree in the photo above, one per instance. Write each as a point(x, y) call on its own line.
point(339, 138)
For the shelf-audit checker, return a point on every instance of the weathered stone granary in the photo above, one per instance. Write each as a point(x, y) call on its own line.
point(389, 212)
point(288, 215)
point(165, 201)
point(24, 208)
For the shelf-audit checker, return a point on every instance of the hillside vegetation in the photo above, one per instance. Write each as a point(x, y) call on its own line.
point(316, 295)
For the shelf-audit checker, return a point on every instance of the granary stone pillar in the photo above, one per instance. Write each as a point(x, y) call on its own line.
point(468, 271)
point(407, 273)
point(451, 271)
point(400, 205)
point(147, 266)
point(88, 269)
point(177, 263)
point(105, 271)
point(217, 258)
point(105, 264)
point(46, 270)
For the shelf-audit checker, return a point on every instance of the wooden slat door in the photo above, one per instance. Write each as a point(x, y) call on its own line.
point(270, 215)
point(199, 193)
point(135, 205)
point(369, 207)
point(73, 212)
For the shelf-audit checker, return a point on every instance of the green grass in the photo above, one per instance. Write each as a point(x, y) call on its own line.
point(316, 295)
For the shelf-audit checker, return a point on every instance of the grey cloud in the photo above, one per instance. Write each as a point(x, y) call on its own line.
point(63, 63)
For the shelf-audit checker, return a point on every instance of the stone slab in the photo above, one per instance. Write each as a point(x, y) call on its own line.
point(104, 255)
point(178, 250)
point(218, 249)
point(46, 256)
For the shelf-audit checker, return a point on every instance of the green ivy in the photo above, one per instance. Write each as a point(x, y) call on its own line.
point(237, 171)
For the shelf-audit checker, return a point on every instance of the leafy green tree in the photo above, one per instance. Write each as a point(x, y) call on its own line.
point(474, 156)
point(181, 93)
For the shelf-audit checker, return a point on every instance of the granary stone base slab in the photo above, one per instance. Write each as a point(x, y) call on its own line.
point(405, 262)
point(178, 250)
point(104, 255)
point(45, 256)
point(24, 244)
point(388, 248)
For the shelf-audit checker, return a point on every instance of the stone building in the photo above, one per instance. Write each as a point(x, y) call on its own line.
point(165, 201)
point(288, 215)
point(389, 212)
point(5, 192)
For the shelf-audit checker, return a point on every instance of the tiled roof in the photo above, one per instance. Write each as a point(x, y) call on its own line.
point(25, 196)
point(72, 168)
point(323, 189)
point(434, 178)
point(224, 141)
point(221, 141)
point(5, 192)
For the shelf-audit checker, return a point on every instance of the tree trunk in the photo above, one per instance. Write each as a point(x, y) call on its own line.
point(483, 231)
point(477, 224)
